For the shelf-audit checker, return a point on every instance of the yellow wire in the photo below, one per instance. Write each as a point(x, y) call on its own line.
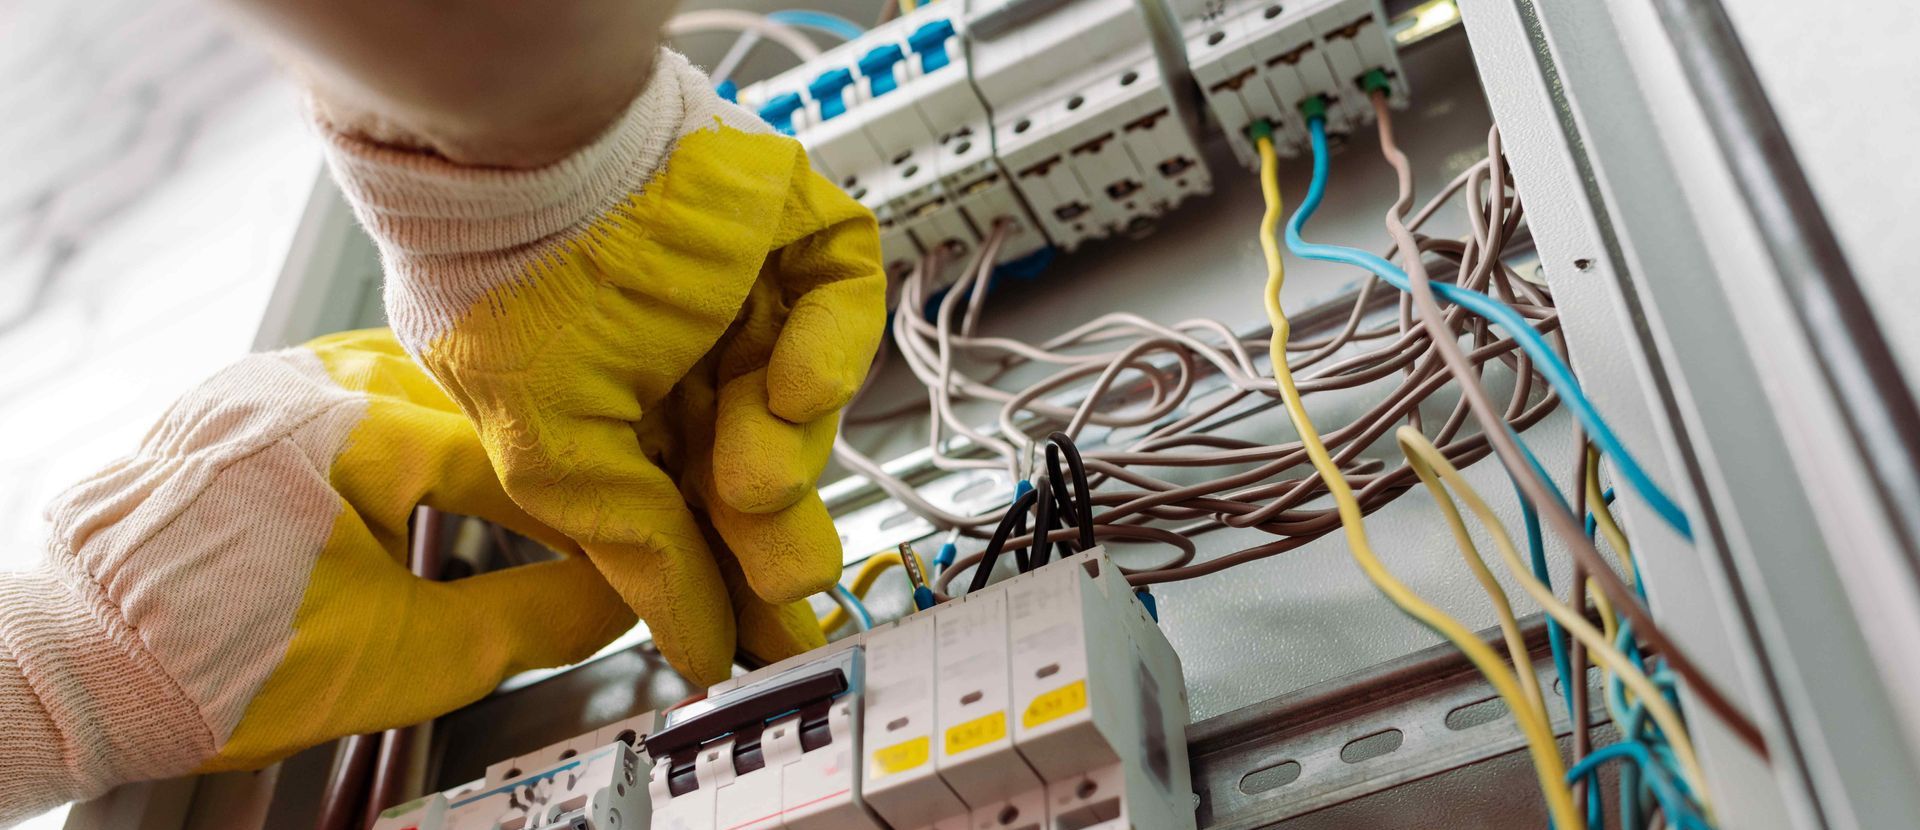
point(1425, 460)
point(1540, 741)
point(1603, 520)
point(1502, 608)
point(1603, 517)
point(863, 579)
point(1608, 622)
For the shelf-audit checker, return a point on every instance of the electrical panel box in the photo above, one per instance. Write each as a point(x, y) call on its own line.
point(1258, 60)
point(1602, 117)
point(595, 781)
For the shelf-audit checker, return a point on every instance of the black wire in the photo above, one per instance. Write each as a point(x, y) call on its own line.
point(1082, 493)
point(1062, 499)
point(1043, 522)
point(1021, 561)
point(999, 540)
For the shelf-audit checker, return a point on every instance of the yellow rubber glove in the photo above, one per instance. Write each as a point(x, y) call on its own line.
point(561, 308)
point(237, 590)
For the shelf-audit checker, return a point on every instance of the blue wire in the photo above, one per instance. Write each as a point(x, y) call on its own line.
point(1639, 729)
point(1679, 810)
point(832, 24)
point(1556, 636)
point(861, 619)
point(1558, 375)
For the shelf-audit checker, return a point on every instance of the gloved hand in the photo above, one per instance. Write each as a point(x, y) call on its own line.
point(237, 590)
point(561, 307)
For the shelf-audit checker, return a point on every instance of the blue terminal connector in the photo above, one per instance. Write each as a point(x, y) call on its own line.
point(930, 43)
point(780, 109)
point(830, 90)
point(728, 91)
point(878, 65)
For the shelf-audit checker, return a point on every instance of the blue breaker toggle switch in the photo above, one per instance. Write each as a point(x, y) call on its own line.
point(779, 111)
point(930, 43)
point(830, 90)
point(877, 65)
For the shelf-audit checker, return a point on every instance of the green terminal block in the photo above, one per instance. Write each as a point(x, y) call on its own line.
point(1315, 107)
point(1260, 129)
point(1376, 81)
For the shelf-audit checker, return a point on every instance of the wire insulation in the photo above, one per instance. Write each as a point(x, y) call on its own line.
point(853, 607)
point(1540, 741)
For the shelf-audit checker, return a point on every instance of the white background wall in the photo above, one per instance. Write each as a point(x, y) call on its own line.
point(152, 168)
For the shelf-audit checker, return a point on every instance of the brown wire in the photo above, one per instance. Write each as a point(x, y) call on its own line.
point(1577, 653)
point(346, 784)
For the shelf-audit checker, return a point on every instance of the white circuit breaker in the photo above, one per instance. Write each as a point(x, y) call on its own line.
point(1260, 59)
point(596, 781)
point(893, 118)
point(1089, 114)
point(1066, 121)
point(1049, 701)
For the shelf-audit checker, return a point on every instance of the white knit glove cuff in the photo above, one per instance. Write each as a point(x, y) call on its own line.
point(83, 702)
point(448, 234)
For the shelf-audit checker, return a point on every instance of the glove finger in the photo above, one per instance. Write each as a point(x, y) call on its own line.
point(763, 463)
point(678, 590)
point(377, 647)
point(787, 555)
point(769, 631)
point(530, 617)
point(838, 294)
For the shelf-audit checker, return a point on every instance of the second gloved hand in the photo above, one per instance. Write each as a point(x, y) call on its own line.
point(235, 590)
point(562, 307)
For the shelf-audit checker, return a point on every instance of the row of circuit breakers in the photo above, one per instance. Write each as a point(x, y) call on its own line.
point(1069, 119)
point(1049, 701)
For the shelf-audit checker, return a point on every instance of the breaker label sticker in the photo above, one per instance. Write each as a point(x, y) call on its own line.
point(902, 756)
point(977, 732)
point(1056, 704)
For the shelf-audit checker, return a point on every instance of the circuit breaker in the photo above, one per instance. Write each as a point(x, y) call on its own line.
point(1257, 60)
point(595, 781)
point(1049, 700)
point(1089, 115)
point(893, 118)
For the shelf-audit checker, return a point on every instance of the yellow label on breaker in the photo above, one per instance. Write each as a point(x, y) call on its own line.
point(977, 732)
point(1058, 703)
point(902, 756)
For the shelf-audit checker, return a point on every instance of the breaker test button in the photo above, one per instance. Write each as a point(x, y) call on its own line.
point(930, 43)
point(779, 111)
point(830, 90)
point(878, 65)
